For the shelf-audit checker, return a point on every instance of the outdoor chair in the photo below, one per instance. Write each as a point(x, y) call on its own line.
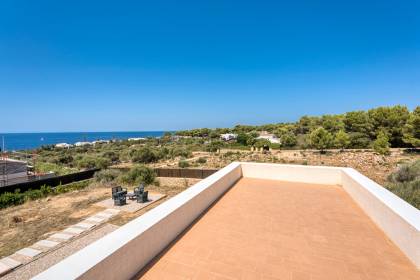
point(143, 197)
point(116, 190)
point(138, 191)
point(120, 198)
point(141, 188)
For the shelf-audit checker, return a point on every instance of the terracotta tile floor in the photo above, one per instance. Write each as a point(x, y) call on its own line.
point(263, 229)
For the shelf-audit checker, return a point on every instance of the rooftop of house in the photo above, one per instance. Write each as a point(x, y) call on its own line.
point(262, 221)
point(266, 228)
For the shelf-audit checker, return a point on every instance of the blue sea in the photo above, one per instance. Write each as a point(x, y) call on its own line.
point(26, 141)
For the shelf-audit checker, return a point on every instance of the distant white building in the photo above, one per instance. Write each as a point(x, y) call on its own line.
point(100, 142)
point(63, 145)
point(80, 144)
point(136, 139)
point(228, 136)
point(269, 136)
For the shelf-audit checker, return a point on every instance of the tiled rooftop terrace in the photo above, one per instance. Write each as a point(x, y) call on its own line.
point(266, 229)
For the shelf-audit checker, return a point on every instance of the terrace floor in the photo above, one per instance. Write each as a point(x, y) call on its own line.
point(263, 229)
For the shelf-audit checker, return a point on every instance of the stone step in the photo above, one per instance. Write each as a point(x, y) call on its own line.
point(73, 230)
point(29, 252)
point(7, 264)
point(62, 236)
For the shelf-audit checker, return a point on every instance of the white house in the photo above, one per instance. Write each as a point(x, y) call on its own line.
point(270, 137)
point(79, 144)
point(136, 139)
point(228, 136)
point(100, 142)
point(63, 145)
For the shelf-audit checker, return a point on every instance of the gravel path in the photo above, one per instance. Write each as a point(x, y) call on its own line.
point(37, 266)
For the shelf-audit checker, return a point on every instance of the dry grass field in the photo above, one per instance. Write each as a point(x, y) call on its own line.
point(25, 224)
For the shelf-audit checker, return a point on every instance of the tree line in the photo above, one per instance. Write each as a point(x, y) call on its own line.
point(380, 128)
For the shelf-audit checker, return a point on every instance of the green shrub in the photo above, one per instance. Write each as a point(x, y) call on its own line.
point(406, 173)
point(144, 155)
point(89, 162)
point(180, 152)
point(201, 160)
point(107, 176)
point(381, 144)
point(405, 182)
point(138, 174)
point(321, 139)
point(183, 164)
point(9, 199)
point(342, 140)
point(288, 139)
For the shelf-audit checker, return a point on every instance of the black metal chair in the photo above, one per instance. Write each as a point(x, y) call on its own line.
point(143, 197)
point(115, 190)
point(141, 188)
point(120, 198)
point(138, 191)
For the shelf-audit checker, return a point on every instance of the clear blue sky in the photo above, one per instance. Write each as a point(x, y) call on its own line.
point(166, 65)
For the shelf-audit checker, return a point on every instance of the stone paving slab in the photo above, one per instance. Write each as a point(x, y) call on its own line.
point(112, 211)
point(62, 236)
point(29, 270)
point(7, 264)
point(104, 215)
point(84, 225)
point(131, 206)
point(4, 268)
point(26, 255)
point(47, 243)
point(10, 262)
point(29, 252)
point(95, 219)
point(73, 230)
point(20, 258)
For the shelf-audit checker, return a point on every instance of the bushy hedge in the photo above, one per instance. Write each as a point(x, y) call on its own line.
point(405, 183)
point(9, 199)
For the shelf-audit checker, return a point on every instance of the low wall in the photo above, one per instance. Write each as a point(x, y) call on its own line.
point(399, 220)
point(293, 173)
point(122, 253)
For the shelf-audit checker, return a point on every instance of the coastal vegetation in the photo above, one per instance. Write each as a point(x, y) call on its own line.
point(372, 134)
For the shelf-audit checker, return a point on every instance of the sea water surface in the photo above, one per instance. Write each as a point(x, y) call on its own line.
point(26, 141)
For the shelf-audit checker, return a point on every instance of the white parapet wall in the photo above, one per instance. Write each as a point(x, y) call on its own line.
point(124, 252)
point(399, 220)
point(293, 173)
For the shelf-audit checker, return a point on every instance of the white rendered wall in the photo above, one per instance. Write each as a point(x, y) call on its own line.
point(122, 253)
point(293, 173)
point(399, 220)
